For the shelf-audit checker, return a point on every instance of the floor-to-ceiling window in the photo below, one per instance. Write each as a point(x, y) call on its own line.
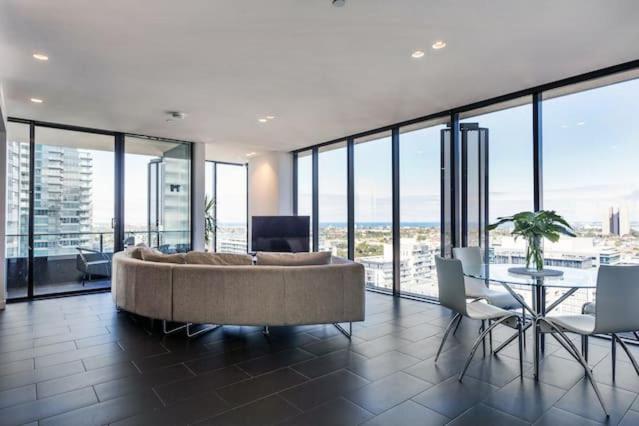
point(305, 186)
point(508, 127)
point(157, 194)
point(227, 187)
point(420, 207)
point(332, 207)
point(373, 209)
point(73, 210)
point(17, 210)
point(590, 152)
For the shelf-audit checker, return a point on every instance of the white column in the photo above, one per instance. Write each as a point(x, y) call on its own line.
point(270, 189)
point(199, 191)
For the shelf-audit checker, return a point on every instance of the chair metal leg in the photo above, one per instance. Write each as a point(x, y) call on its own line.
point(452, 322)
point(459, 322)
point(522, 338)
point(490, 337)
point(627, 351)
point(613, 356)
point(483, 341)
point(584, 347)
point(523, 319)
point(571, 349)
point(190, 333)
point(348, 333)
point(636, 335)
point(479, 340)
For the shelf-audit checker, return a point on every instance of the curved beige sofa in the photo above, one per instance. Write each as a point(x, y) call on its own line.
point(240, 295)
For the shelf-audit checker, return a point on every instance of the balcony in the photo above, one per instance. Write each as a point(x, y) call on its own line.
point(56, 258)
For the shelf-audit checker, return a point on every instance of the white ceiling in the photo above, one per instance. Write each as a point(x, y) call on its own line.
point(324, 72)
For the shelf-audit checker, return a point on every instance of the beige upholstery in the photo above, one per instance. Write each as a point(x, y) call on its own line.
point(202, 258)
point(151, 256)
point(293, 259)
point(240, 295)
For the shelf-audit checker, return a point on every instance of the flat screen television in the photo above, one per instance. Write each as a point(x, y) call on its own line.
point(280, 233)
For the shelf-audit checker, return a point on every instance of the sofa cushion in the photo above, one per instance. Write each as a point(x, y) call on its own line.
point(204, 258)
point(135, 251)
point(153, 256)
point(293, 259)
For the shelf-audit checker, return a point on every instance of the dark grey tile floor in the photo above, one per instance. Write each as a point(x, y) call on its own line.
point(77, 361)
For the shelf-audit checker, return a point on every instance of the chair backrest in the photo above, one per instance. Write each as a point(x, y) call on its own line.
point(450, 279)
point(617, 307)
point(470, 257)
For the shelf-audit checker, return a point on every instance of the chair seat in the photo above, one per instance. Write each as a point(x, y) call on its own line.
point(484, 311)
point(580, 324)
point(502, 299)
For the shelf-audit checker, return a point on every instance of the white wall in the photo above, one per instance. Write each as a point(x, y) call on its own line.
point(270, 191)
point(199, 190)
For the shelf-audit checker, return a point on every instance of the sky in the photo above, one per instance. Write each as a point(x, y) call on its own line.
point(590, 143)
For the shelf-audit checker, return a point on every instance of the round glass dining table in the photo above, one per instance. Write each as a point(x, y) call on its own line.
point(571, 280)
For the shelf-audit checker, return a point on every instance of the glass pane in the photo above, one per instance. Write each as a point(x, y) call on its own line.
point(373, 210)
point(333, 200)
point(510, 171)
point(231, 208)
point(209, 191)
point(590, 178)
point(73, 211)
point(420, 208)
point(157, 194)
point(17, 213)
point(305, 187)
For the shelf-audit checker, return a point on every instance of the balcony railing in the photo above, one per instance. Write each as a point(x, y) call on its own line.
point(168, 241)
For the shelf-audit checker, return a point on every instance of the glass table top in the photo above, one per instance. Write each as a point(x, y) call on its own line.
point(498, 272)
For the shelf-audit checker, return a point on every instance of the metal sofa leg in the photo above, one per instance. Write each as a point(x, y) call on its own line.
point(341, 329)
point(190, 333)
point(266, 331)
point(173, 330)
point(613, 356)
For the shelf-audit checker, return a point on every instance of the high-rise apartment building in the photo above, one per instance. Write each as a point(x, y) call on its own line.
point(616, 221)
point(63, 207)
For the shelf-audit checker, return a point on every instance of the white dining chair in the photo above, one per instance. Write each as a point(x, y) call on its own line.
point(472, 259)
point(615, 312)
point(452, 295)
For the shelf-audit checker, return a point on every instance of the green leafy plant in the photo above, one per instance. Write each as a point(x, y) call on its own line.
point(210, 225)
point(534, 227)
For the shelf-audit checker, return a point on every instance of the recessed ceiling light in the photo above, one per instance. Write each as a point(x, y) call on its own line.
point(262, 120)
point(417, 54)
point(36, 100)
point(250, 154)
point(270, 117)
point(40, 56)
point(439, 44)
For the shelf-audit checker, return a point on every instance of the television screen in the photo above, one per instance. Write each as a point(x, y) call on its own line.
point(280, 233)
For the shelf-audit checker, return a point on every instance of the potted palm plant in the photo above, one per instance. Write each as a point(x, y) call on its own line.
point(210, 225)
point(534, 227)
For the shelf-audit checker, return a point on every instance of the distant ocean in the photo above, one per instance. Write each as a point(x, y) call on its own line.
point(380, 224)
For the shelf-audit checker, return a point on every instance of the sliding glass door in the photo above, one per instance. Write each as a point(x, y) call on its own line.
point(73, 210)
point(17, 210)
